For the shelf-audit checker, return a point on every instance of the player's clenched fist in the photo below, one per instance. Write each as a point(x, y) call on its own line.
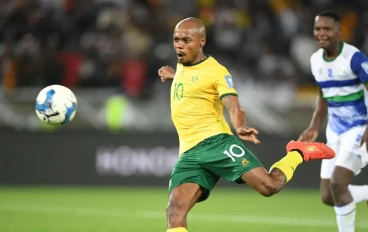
point(166, 73)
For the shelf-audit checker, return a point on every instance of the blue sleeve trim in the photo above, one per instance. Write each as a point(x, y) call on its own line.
point(359, 65)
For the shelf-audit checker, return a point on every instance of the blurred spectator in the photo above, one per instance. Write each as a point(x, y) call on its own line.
point(122, 43)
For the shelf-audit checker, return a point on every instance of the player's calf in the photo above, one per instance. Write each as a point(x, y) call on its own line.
point(176, 212)
point(326, 194)
point(282, 171)
point(267, 184)
point(345, 207)
point(339, 185)
point(181, 200)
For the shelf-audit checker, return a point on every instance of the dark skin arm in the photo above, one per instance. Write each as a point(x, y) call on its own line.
point(238, 120)
point(320, 111)
point(365, 135)
point(319, 115)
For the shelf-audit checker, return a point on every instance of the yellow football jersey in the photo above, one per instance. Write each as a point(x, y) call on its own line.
point(196, 106)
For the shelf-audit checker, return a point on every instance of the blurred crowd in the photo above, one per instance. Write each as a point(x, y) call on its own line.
point(122, 43)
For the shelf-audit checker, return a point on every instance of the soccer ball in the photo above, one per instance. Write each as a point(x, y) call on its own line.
point(56, 105)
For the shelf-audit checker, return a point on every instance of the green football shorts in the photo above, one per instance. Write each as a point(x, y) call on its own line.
point(219, 156)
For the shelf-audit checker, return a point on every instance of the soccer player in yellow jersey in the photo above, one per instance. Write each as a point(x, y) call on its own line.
point(208, 149)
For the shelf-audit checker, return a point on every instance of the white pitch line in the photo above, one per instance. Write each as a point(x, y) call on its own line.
point(270, 220)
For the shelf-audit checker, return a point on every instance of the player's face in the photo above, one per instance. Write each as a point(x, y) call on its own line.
point(187, 45)
point(326, 32)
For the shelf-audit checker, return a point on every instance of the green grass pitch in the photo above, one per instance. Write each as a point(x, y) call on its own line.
point(62, 209)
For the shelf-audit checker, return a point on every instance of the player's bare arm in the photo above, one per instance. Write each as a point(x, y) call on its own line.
point(365, 135)
point(237, 117)
point(319, 115)
point(166, 73)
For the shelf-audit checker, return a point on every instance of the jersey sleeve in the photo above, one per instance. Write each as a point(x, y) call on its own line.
point(224, 83)
point(359, 65)
point(311, 63)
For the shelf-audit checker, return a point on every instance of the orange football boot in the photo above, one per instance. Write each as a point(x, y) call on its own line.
point(311, 151)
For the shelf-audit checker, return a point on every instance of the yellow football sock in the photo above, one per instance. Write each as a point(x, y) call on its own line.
point(288, 164)
point(179, 229)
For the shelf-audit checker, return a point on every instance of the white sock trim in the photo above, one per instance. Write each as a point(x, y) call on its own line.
point(346, 209)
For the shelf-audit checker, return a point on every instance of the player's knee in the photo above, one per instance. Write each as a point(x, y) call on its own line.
point(326, 195)
point(267, 189)
point(338, 187)
point(327, 198)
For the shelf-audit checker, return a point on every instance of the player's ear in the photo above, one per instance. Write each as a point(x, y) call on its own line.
point(203, 42)
point(338, 25)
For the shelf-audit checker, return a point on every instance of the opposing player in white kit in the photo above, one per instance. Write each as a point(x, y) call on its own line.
point(341, 72)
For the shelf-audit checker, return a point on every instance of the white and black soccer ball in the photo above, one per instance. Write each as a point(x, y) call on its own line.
point(56, 105)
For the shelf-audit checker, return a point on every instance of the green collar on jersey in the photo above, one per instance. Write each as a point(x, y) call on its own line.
point(330, 60)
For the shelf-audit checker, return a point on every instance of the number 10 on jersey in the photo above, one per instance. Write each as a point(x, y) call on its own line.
point(239, 152)
point(178, 91)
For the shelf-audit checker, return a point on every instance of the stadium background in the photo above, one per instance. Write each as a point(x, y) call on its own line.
point(108, 169)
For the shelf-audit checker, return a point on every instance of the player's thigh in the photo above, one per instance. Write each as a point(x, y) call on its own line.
point(188, 170)
point(350, 155)
point(227, 157)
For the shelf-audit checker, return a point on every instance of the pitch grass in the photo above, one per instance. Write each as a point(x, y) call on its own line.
point(63, 209)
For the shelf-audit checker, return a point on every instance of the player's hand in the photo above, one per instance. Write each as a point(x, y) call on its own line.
point(166, 73)
point(248, 134)
point(309, 135)
point(364, 139)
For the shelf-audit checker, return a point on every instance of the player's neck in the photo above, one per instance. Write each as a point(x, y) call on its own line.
point(199, 59)
point(333, 52)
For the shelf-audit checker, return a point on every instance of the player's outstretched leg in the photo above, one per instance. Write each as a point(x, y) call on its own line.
point(359, 193)
point(344, 203)
point(311, 151)
point(282, 171)
point(181, 200)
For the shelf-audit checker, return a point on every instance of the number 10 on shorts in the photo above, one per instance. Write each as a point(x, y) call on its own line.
point(234, 151)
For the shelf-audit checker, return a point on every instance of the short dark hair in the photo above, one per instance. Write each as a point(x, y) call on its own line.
point(332, 14)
